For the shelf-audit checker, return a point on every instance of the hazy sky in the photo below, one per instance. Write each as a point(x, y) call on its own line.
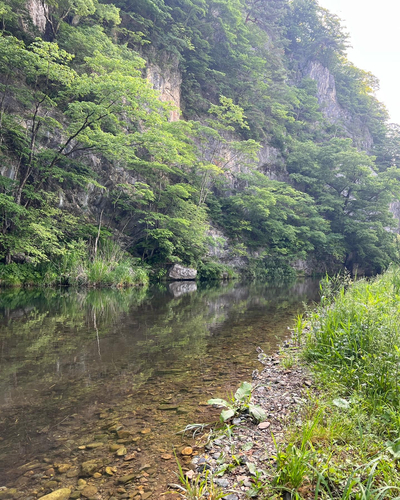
point(373, 26)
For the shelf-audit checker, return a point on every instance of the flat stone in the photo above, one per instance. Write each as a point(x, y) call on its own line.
point(62, 494)
point(91, 446)
point(127, 478)
point(89, 491)
point(167, 407)
point(187, 451)
point(121, 452)
point(7, 494)
point(72, 473)
point(264, 425)
point(123, 434)
point(115, 447)
point(90, 467)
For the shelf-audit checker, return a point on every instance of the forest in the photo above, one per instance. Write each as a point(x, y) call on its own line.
point(104, 181)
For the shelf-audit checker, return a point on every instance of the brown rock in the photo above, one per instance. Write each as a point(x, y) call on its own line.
point(166, 456)
point(62, 468)
point(89, 491)
point(121, 452)
point(115, 447)
point(123, 434)
point(187, 451)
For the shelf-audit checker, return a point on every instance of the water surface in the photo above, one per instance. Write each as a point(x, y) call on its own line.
point(72, 364)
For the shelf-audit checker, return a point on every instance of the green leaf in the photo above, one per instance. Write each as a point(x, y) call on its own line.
point(227, 414)
point(252, 468)
point(220, 402)
point(394, 449)
point(257, 413)
point(244, 391)
point(341, 403)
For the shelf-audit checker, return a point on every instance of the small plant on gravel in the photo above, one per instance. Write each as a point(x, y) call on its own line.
point(239, 404)
point(288, 361)
point(198, 488)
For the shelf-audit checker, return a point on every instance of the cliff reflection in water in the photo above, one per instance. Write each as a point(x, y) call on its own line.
point(64, 352)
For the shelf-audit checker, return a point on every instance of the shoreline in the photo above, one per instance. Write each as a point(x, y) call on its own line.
point(247, 448)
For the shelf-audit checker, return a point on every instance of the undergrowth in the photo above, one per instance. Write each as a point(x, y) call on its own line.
point(111, 266)
point(345, 444)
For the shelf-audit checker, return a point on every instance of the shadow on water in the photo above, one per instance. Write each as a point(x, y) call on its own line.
point(73, 363)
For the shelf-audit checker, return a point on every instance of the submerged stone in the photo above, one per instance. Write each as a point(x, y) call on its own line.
point(62, 494)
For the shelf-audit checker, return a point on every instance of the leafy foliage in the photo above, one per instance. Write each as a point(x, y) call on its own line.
point(86, 142)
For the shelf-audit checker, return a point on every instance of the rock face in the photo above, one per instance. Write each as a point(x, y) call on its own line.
point(333, 111)
point(180, 273)
point(326, 92)
point(167, 80)
point(38, 12)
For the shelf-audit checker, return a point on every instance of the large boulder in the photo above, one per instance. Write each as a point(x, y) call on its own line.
point(180, 273)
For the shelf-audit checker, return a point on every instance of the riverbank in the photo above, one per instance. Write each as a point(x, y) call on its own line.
point(332, 402)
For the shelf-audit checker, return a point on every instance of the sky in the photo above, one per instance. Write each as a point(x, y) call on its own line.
point(373, 26)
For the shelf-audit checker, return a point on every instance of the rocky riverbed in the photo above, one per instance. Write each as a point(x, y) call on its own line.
point(241, 457)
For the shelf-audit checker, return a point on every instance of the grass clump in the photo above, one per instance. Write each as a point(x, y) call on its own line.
point(110, 266)
point(345, 444)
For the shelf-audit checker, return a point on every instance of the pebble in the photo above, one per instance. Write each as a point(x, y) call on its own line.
point(127, 478)
point(92, 446)
point(62, 468)
point(121, 452)
point(187, 451)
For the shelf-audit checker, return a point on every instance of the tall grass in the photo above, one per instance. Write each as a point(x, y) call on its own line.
point(345, 444)
point(355, 339)
point(111, 266)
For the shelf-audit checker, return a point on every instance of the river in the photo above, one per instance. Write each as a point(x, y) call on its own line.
point(77, 366)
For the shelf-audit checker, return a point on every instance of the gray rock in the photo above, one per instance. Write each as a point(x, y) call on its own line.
point(223, 483)
point(181, 273)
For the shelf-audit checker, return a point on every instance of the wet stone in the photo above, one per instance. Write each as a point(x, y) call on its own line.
point(92, 446)
point(62, 494)
point(127, 478)
point(115, 447)
point(8, 494)
point(90, 467)
point(89, 491)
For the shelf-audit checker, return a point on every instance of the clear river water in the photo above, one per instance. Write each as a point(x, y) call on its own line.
point(76, 367)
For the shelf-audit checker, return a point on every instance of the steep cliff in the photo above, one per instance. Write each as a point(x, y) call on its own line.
point(267, 150)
